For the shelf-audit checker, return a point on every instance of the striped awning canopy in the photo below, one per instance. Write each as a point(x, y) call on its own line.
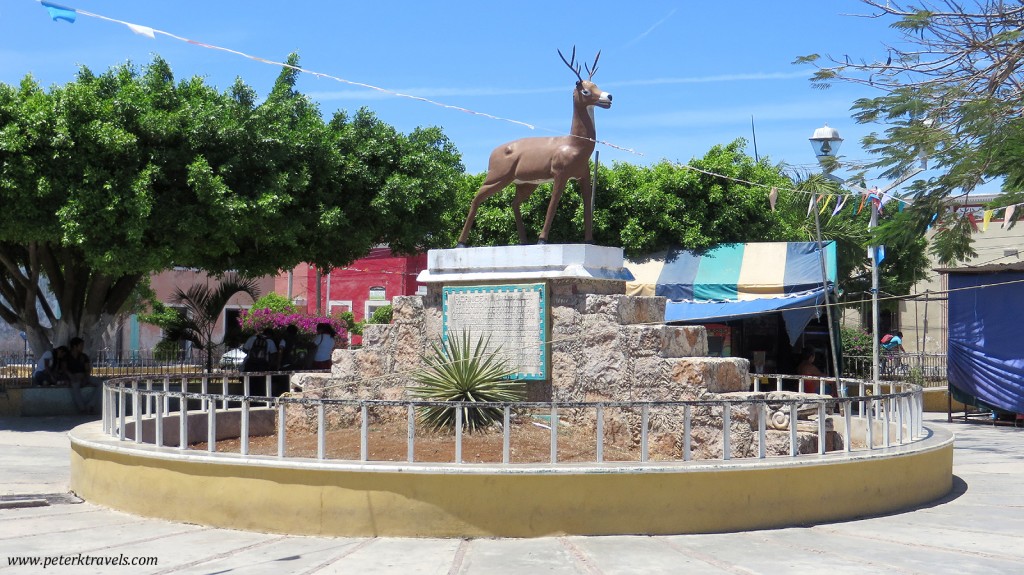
point(732, 281)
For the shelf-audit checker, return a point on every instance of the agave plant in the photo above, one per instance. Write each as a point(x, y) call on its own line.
point(457, 371)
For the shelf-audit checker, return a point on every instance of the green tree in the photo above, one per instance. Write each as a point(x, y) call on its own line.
point(951, 91)
point(111, 177)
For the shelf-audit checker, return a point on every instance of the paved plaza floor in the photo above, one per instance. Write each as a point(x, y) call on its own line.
point(978, 528)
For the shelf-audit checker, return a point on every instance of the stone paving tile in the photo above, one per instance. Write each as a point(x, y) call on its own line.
point(977, 529)
point(516, 556)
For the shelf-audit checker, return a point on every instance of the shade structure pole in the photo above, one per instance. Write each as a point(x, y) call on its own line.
point(824, 284)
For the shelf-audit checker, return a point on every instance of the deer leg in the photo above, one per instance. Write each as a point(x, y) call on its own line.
point(587, 194)
point(556, 195)
point(523, 191)
point(486, 191)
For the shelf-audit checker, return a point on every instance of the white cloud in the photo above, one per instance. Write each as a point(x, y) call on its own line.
point(649, 30)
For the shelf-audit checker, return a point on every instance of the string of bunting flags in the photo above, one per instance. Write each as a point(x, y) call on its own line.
point(70, 14)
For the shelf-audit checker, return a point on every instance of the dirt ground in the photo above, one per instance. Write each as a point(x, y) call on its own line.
point(530, 442)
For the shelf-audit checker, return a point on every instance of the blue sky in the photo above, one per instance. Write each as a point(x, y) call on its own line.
point(685, 75)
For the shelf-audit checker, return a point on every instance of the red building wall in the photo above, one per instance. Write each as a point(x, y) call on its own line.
point(368, 283)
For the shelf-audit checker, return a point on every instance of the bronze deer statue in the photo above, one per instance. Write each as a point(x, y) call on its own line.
point(529, 162)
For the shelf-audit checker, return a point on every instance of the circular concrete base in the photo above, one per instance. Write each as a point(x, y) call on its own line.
point(311, 497)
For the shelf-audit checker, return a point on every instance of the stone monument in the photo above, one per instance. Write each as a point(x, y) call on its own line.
point(558, 313)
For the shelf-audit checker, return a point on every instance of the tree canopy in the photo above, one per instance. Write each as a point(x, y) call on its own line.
point(113, 176)
point(951, 91)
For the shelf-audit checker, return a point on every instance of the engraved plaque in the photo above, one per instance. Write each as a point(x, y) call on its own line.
point(513, 316)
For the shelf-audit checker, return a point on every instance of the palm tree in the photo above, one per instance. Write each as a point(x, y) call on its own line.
point(202, 306)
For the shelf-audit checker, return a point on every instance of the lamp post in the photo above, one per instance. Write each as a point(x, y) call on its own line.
point(826, 142)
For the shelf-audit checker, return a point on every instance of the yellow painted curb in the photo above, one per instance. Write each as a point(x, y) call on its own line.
point(431, 500)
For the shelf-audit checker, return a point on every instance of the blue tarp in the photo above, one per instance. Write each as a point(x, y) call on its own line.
point(986, 355)
point(795, 319)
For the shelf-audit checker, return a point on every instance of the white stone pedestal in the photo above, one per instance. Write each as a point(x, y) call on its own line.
point(522, 263)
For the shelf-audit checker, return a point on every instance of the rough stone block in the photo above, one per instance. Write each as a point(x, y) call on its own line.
point(683, 341)
point(603, 306)
point(626, 310)
point(370, 363)
point(644, 340)
point(409, 347)
point(407, 309)
point(717, 374)
point(642, 309)
point(343, 363)
point(376, 334)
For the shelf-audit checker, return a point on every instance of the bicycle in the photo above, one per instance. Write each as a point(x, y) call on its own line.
point(893, 365)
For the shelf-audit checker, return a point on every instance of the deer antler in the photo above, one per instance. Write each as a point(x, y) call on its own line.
point(594, 70)
point(571, 63)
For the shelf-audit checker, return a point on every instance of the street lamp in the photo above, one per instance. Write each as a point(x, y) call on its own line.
point(826, 142)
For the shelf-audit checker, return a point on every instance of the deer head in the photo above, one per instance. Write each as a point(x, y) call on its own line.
point(587, 91)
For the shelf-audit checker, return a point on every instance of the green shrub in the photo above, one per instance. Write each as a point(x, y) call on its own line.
point(349, 319)
point(167, 350)
point(381, 315)
point(275, 302)
point(856, 342)
point(457, 371)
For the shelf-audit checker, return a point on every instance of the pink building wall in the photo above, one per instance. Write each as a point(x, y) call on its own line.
point(361, 287)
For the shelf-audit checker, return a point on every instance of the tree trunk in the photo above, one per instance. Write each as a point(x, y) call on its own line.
point(73, 299)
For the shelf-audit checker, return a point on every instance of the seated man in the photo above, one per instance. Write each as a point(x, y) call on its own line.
point(80, 373)
point(260, 352)
point(43, 375)
point(807, 367)
point(51, 368)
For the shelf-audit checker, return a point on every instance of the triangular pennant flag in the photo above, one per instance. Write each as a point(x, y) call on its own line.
point(810, 206)
point(141, 30)
point(58, 12)
point(880, 250)
point(863, 200)
point(973, 220)
point(823, 203)
point(900, 206)
point(1008, 217)
point(773, 196)
point(985, 219)
point(875, 199)
point(935, 216)
point(839, 204)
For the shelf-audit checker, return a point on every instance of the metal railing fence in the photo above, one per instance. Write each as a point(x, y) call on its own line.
point(895, 408)
point(115, 364)
point(926, 369)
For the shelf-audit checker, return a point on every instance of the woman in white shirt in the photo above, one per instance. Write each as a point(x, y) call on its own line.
point(324, 342)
